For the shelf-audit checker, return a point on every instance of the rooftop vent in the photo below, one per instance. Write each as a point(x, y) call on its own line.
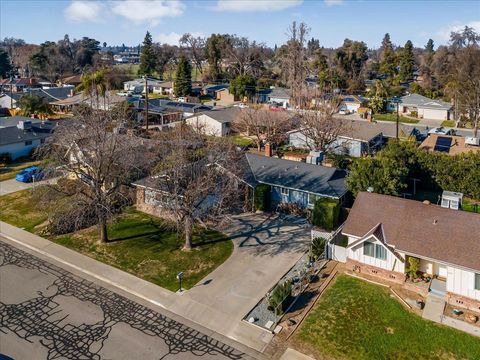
point(452, 200)
point(24, 125)
point(315, 157)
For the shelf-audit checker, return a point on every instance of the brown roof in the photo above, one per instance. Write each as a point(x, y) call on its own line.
point(457, 146)
point(450, 236)
point(74, 79)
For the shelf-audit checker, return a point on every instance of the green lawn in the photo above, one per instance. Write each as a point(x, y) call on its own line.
point(448, 123)
point(393, 117)
point(358, 320)
point(241, 140)
point(143, 245)
point(9, 170)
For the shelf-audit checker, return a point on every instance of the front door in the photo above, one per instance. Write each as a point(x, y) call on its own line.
point(442, 271)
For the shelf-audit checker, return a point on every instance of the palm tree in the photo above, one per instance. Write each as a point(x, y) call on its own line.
point(32, 104)
point(94, 84)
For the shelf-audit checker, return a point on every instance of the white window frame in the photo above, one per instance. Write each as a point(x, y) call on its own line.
point(284, 191)
point(476, 281)
point(310, 203)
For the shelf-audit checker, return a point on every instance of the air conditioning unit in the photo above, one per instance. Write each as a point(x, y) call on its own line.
point(470, 140)
point(452, 200)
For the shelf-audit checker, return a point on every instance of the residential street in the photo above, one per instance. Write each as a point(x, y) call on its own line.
point(47, 312)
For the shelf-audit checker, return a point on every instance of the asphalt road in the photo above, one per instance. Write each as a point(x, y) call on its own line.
point(47, 312)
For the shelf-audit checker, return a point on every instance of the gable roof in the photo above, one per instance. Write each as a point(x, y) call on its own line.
point(430, 231)
point(424, 102)
point(225, 115)
point(315, 179)
point(10, 133)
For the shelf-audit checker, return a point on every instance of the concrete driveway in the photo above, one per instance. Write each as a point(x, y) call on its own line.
point(265, 249)
point(12, 185)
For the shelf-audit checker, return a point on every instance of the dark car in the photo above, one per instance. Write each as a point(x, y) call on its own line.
point(30, 174)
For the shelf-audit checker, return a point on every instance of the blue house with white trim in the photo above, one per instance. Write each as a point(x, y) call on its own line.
point(296, 182)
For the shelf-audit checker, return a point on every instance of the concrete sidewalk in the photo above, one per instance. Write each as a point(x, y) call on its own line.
point(12, 185)
point(242, 333)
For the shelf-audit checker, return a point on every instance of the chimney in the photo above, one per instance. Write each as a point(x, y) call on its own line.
point(268, 150)
point(71, 92)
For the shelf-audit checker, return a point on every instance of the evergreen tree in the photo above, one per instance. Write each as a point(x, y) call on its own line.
point(407, 62)
point(242, 85)
point(430, 46)
point(147, 57)
point(388, 62)
point(183, 77)
point(5, 65)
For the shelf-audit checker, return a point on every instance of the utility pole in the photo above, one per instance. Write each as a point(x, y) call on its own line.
point(146, 103)
point(398, 119)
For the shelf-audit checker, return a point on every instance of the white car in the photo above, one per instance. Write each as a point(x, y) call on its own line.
point(241, 105)
point(182, 99)
point(344, 112)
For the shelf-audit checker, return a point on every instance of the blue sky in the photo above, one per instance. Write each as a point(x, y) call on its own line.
point(331, 21)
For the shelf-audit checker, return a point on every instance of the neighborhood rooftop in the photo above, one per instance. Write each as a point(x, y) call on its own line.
point(315, 179)
point(416, 228)
point(424, 102)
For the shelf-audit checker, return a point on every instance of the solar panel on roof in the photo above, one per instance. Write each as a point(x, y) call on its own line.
point(443, 144)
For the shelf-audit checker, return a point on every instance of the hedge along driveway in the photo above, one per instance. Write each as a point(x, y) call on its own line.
point(143, 245)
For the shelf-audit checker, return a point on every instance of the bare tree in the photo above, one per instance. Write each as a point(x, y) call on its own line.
point(319, 126)
point(197, 179)
point(92, 149)
point(293, 60)
point(196, 45)
point(263, 125)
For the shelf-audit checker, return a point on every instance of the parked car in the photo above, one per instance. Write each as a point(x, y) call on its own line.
point(344, 112)
point(182, 99)
point(241, 105)
point(275, 107)
point(30, 174)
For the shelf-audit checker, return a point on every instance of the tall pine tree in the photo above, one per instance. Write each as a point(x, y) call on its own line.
point(388, 62)
point(183, 77)
point(407, 62)
point(147, 57)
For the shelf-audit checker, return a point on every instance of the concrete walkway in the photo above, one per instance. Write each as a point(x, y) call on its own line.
point(12, 185)
point(434, 306)
point(265, 248)
point(291, 354)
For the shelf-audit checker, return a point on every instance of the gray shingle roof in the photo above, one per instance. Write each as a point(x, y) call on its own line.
point(226, 115)
point(296, 175)
point(10, 133)
point(424, 102)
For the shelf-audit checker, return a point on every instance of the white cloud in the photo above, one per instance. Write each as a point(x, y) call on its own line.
point(333, 2)
point(444, 33)
point(152, 11)
point(255, 5)
point(83, 11)
point(173, 37)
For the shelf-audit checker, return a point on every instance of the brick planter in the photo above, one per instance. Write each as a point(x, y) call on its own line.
point(392, 276)
point(463, 302)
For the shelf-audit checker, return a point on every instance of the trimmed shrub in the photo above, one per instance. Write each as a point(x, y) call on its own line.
point(6, 158)
point(413, 267)
point(261, 198)
point(280, 297)
point(326, 213)
point(317, 248)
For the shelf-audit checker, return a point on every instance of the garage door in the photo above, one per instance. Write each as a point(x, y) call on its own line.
point(434, 114)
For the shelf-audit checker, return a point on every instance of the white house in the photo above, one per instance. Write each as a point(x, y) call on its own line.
point(384, 231)
point(20, 135)
point(214, 122)
point(426, 108)
point(154, 86)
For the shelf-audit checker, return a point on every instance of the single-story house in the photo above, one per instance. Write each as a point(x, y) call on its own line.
point(296, 182)
point(9, 101)
point(214, 122)
point(352, 102)
point(73, 80)
point(17, 84)
point(424, 107)
point(275, 95)
point(357, 138)
point(384, 231)
point(448, 144)
point(186, 109)
point(211, 89)
point(20, 135)
point(154, 86)
point(223, 96)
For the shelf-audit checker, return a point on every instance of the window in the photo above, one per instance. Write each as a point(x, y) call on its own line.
point(374, 250)
point(380, 252)
point(285, 191)
point(28, 142)
point(477, 282)
point(42, 141)
point(312, 199)
point(368, 249)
